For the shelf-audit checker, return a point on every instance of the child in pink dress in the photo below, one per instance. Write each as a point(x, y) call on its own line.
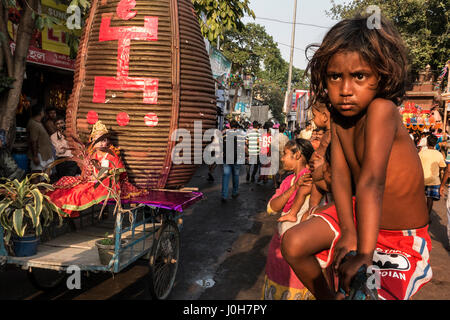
point(280, 281)
point(296, 156)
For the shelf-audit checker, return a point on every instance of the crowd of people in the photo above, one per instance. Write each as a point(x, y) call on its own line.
point(252, 141)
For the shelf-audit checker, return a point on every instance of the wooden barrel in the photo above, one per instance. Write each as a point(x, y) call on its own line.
point(143, 70)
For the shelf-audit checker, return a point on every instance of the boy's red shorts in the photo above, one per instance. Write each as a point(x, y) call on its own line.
point(402, 256)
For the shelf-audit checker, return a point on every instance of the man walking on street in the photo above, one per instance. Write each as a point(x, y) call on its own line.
point(252, 141)
point(233, 157)
point(432, 163)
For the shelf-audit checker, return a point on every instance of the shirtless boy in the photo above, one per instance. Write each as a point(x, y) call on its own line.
point(377, 180)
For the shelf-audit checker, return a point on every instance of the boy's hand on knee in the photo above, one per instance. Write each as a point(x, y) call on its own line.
point(344, 245)
point(349, 268)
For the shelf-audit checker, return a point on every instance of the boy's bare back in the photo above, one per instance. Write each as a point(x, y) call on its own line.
point(377, 142)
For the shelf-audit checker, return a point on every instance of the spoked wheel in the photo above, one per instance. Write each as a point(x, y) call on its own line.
point(164, 261)
point(46, 280)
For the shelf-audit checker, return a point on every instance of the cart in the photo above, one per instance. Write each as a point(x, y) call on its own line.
point(150, 229)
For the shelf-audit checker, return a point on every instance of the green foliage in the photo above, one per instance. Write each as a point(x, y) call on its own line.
point(107, 241)
point(5, 82)
point(24, 208)
point(253, 51)
point(9, 3)
point(423, 24)
point(266, 92)
point(220, 16)
point(249, 48)
point(73, 41)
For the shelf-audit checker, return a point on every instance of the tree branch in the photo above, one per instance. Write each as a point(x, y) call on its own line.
point(6, 52)
point(24, 33)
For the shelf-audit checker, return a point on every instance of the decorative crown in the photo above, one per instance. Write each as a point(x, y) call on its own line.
point(97, 130)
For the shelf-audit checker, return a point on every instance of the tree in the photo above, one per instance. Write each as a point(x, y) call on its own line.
point(220, 15)
point(423, 24)
point(269, 93)
point(254, 52)
point(13, 65)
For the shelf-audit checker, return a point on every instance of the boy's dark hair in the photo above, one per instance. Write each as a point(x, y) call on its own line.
point(36, 109)
point(304, 146)
point(432, 140)
point(234, 124)
point(268, 125)
point(382, 48)
point(60, 117)
point(282, 127)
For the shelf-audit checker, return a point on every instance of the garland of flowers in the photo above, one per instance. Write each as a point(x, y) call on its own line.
point(24, 104)
point(234, 80)
point(58, 98)
point(417, 119)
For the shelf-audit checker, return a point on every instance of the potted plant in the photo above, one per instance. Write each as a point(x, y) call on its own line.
point(25, 210)
point(105, 247)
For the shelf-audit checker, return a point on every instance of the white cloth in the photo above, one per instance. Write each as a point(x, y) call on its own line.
point(61, 145)
point(42, 164)
point(286, 225)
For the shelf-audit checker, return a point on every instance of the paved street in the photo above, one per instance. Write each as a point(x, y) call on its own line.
point(223, 254)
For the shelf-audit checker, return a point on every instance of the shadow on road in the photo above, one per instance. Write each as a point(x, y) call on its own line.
point(438, 230)
point(231, 275)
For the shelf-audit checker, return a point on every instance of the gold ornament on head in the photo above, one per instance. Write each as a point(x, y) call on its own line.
point(98, 130)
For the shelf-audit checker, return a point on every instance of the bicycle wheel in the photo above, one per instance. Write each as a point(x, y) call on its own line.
point(164, 261)
point(46, 280)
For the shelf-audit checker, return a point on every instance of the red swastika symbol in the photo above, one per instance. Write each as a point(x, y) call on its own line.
point(124, 35)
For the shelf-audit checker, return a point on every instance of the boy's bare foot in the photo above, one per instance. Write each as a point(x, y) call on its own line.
point(288, 217)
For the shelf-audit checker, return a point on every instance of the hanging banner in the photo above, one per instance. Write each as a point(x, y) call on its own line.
point(220, 65)
point(49, 46)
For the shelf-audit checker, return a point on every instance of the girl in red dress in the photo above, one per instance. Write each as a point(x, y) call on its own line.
point(73, 194)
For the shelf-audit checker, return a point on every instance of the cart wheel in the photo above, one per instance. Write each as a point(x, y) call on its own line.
point(46, 280)
point(164, 261)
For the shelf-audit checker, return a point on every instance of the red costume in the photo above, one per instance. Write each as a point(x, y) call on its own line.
point(73, 194)
point(401, 256)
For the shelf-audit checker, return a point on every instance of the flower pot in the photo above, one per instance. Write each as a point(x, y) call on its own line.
point(106, 252)
point(25, 246)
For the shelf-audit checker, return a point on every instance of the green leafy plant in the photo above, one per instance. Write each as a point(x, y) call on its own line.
point(5, 82)
point(24, 207)
point(106, 241)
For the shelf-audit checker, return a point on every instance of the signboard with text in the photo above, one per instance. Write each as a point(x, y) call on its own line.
point(48, 47)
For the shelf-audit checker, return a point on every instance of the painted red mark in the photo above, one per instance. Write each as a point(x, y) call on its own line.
point(124, 35)
point(151, 119)
point(124, 9)
point(122, 118)
point(92, 117)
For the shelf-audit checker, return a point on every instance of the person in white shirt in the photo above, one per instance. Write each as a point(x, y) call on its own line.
point(307, 132)
point(62, 151)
